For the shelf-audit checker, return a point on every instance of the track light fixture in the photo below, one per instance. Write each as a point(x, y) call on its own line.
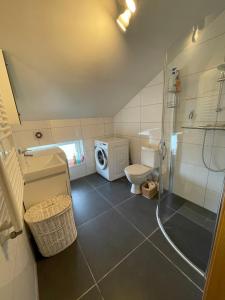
point(124, 19)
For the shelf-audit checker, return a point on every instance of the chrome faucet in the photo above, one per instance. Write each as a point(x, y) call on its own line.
point(25, 152)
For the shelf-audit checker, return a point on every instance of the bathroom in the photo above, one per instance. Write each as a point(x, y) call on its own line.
point(132, 87)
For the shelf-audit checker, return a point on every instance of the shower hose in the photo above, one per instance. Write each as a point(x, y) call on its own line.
point(203, 156)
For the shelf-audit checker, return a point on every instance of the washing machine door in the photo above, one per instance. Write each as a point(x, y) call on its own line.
point(100, 158)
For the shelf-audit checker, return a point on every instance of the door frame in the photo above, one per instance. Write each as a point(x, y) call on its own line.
point(215, 281)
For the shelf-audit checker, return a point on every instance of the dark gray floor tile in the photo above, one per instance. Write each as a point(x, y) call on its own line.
point(80, 187)
point(88, 205)
point(96, 180)
point(93, 294)
point(106, 240)
point(141, 212)
point(146, 275)
point(198, 215)
point(165, 212)
point(159, 240)
point(63, 276)
point(201, 211)
point(116, 191)
point(173, 201)
point(193, 240)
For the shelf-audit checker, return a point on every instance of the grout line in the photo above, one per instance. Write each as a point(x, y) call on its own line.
point(154, 231)
point(86, 292)
point(98, 186)
point(146, 238)
point(92, 219)
point(122, 260)
point(90, 270)
point(172, 263)
point(170, 217)
point(124, 217)
point(124, 201)
point(203, 226)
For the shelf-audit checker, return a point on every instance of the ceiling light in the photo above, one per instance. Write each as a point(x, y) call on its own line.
point(124, 19)
point(131, 5)
point(195, 33)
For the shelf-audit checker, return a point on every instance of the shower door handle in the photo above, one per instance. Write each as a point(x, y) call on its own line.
point(162, 149)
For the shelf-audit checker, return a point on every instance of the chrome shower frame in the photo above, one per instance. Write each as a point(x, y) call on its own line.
point(163, 153)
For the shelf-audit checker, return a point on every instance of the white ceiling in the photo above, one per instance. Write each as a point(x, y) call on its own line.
point(68, 59)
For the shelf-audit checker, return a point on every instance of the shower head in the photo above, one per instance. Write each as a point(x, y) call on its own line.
point(221, 67)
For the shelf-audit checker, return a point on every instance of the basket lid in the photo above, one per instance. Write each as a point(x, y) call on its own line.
point(47, 209)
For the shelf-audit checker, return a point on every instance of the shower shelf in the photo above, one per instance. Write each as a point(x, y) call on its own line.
point(205, 127)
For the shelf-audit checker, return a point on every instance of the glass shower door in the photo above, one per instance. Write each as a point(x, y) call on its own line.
point(193, 144)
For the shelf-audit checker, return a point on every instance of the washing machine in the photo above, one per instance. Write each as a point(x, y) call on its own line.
point(111, 157)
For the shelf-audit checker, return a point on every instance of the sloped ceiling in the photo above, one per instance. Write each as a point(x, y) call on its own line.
point(68, 59)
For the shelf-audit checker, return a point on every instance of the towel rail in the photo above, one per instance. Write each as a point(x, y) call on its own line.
point(11, 182)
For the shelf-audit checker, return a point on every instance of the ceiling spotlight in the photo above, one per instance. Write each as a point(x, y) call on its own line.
point(124, 19)
point(131, 5)
point(195, 33)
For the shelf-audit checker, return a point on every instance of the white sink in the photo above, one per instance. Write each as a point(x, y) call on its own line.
point(37, 167)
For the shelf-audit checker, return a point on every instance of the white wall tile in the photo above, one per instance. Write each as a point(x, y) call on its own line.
point(157, 79)
point(152, 94)
point(63, 134)
point(218, 158)
point(214, 191)
point(127, 129)
point(92, 130)
point(202, 84)
point(46, 138)
point(131, 114)
point(199, 92)
point(151, 130)
point(108, 129)
point(108, 120)
point(192, 154)
point(91, 121)
point(199, 57)
point(151, 113)
point(204, 110)
point(25, 139)
point(134, 102)
point(65, 123)
point(135, 150)
point(190, 182)
point(59, 131)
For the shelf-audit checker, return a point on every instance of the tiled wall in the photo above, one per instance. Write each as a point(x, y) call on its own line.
point(140, 119)
point(18, 276)
point(59, 131)
point(197, 62)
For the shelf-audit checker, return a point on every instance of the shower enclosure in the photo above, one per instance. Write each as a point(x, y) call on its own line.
point(193, 142)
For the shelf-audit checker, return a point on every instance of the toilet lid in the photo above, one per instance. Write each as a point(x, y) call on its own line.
point(137, 169)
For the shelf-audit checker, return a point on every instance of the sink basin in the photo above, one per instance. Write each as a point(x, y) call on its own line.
point(37, 167)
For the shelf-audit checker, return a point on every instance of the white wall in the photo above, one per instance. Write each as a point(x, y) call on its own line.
point(140, 120)
point(197, 62)
point(18, 275)
point(59, 131)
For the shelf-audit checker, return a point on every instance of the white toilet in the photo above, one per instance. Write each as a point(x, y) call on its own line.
point(137, 174)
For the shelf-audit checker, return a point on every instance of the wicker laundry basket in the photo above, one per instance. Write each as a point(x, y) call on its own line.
point(52, 224)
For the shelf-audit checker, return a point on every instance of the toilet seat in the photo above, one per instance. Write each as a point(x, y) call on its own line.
point(137, 170)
